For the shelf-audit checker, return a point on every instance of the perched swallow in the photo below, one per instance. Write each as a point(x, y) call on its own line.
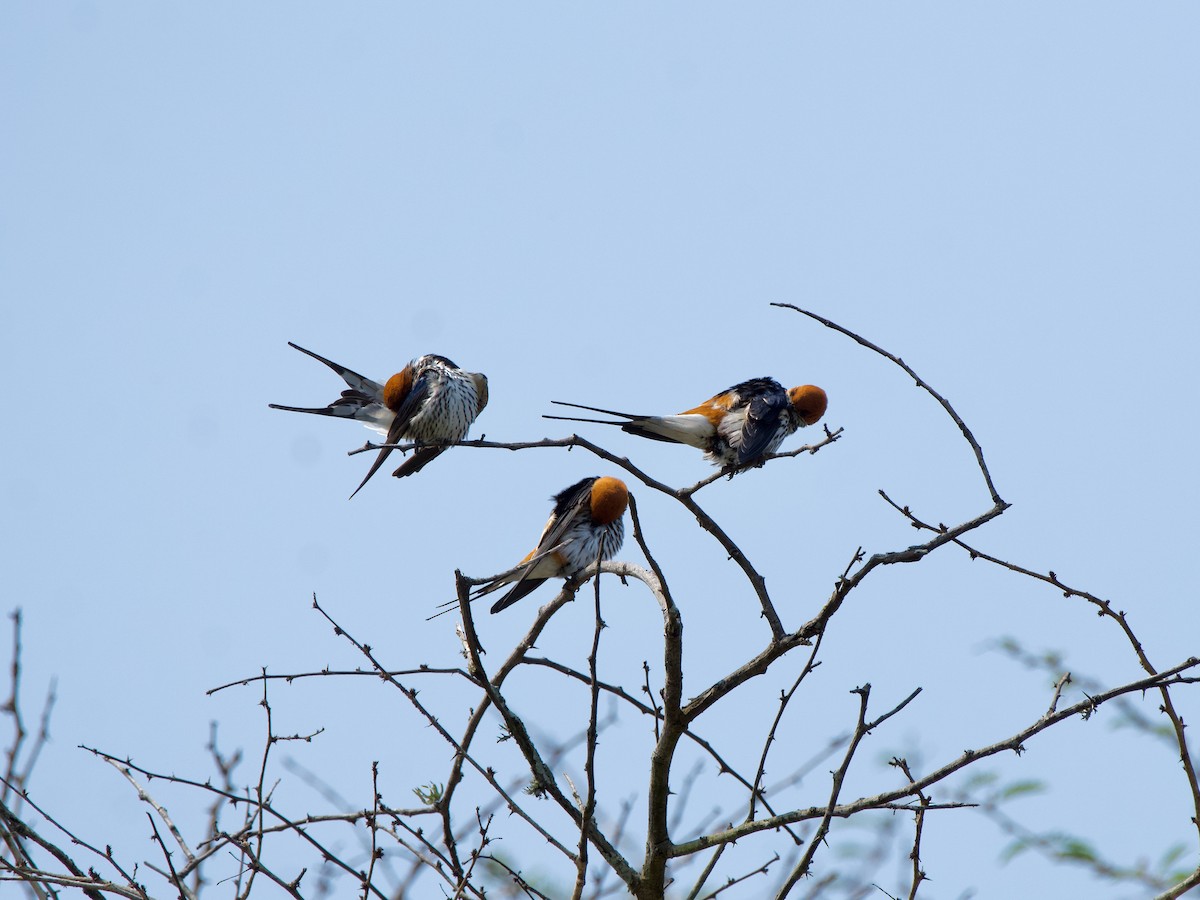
point(586, 525)
point(737, 427)
point(429, 401)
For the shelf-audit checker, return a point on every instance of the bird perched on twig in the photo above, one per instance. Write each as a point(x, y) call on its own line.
point(430, 401)
point(586, 526)
point(735, 428)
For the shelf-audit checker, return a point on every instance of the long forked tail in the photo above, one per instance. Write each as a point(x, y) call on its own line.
point(692, 429)
point(522, 588)
point(628, 417)
point(319, 411)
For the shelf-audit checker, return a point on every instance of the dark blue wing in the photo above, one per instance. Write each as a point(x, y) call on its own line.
point(762, 424)
point(416, 396)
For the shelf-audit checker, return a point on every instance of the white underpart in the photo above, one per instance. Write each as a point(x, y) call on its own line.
point(449, 409)
point(581, 544)
point(377, 417)
point(730, 428)
point(693, 429)
point(577, 549)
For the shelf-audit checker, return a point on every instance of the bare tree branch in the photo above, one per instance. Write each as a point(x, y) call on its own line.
point(887, 799)
point(962, 426)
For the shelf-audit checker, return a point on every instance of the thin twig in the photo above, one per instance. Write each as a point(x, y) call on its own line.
point(784, 698)
point(588, 809)
point(888, 799)
point(706, 872)
point(674, 725)
point(682, 495)
point(542, 775)
point(839, 776)
point(962, 426)
point(411, 695)
point(918, 874)
point(764, 869)
point(174, 879)
point(145, 797)
point(286, 823)
point(1105, 609)
point(373, 828)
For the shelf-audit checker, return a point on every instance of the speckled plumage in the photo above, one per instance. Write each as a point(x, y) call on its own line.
point(430, 401)
point(587, 523)
point(737, 427)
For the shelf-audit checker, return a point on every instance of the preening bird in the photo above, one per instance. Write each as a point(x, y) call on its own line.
point(586, 525)
point(737, 427)
point(430, 401)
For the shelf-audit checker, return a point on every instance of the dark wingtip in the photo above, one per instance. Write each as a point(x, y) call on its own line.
point(419, 460)
point(383, 454)
point(501, 605)
point(522, 589)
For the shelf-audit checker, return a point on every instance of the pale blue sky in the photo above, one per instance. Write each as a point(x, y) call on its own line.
point(598, 203)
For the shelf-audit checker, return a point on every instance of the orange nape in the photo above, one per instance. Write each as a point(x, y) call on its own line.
point(809, 401)
point(610, 498)
point(397, 388)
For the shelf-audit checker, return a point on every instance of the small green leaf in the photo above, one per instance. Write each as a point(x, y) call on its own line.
point(1013, 850)
point(1172, 854)
point(1074, 848)
point(1021, 788)
point(430, 794)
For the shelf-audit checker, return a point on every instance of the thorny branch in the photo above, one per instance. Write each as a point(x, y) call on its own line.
point(918, 874)
point(890, 799)
point(861, 730)
point(682, 495)
point(588, 805)
point(447, 850)
point(1104, 609)
point(921, 383)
